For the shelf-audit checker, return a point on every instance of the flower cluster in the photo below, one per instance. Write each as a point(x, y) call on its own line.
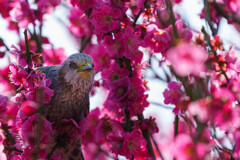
point(124, 38)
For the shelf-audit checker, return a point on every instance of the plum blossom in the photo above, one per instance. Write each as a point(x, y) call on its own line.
point(29, 129)
point(21, 56)
point(119, 89)
point(114, 72)
point(29, 107)
point(105, 19)
point(187, 59)
point(54, 56)
point(24, 14)
point(83, 4)
point(100, 57)
point(41, 87)
point(134, 144)
point(173, 94)
point(156, 39)
point(17, 76)
point(80, 24)
point(3, 106)
point(185, 149)
point(201, 108)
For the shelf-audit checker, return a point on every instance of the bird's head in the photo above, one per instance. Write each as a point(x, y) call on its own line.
point(77, 69)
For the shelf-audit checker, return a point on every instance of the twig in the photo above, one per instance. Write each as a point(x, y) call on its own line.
point(156, 146)
point(39, 124)
point(28, 53)
point(160, 105)
point(176, 126)
point(12, 149)
point(235, 18)
point(85, 41)
point(53, 149)
point(208, 17)
point(136, 17)
point(214, 52)
point(104, 152)
point(172, 18)
point(146, 135)
point(1, 40)
point(8, 134)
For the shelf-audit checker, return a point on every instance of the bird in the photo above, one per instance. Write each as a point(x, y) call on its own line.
point(71, 82)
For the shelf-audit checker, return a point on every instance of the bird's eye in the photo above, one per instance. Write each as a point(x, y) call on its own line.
point(72, 65)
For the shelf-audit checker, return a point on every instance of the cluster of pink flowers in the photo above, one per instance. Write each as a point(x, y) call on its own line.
point(203, 80)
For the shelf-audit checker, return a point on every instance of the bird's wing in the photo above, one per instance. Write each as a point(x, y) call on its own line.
point(50, 71)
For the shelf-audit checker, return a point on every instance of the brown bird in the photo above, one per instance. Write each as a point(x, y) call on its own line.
point(71, 82)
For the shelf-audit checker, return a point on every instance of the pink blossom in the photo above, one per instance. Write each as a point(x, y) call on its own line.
point(134, 144)
point(6, 85)
point(116, 145)
point(40, 88)
point(56, 157)
point(119, 89)
point(5, 8)
point(131, 44)
point(115, 46)
point(29, 129)
point(236, 153)
point(80, 24)
point(29, 152)
point(17, 76)
point(234, 5)
point(215, 17)
point(29, 107)
point(70, 129)
point(184, 32)
point(92, 122)
point(136, 88)
point(105, 19)
point(150, 124)
point(100, 58)
point(54, 56)
point(24, 15)
point(173, 94)
point(185, 149)
point(3, 106)
point(83, 4)
point(156, 39)
point(201, 108)
point(107, 126)
point(187, 59)
point(21, 56)
point(115, 108)
point(138, 105)
point(114, 72)
point(224, 114)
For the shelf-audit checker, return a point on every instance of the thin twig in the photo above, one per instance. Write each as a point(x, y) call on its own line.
point(156, 146)
point(215, 53)
point(85, 41)
point(208, 17)
point(28, 53)
point(172, 18)
point(53, 149)
point(12, 149)
point(8, 134)
point(161, 105)
point(146, 135)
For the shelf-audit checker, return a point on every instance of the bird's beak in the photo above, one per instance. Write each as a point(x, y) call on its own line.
point(88, 67)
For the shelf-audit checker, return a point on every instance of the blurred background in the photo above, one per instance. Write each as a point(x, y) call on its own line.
point(56, 29)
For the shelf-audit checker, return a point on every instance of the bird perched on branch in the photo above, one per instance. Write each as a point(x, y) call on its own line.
point(71, 82)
